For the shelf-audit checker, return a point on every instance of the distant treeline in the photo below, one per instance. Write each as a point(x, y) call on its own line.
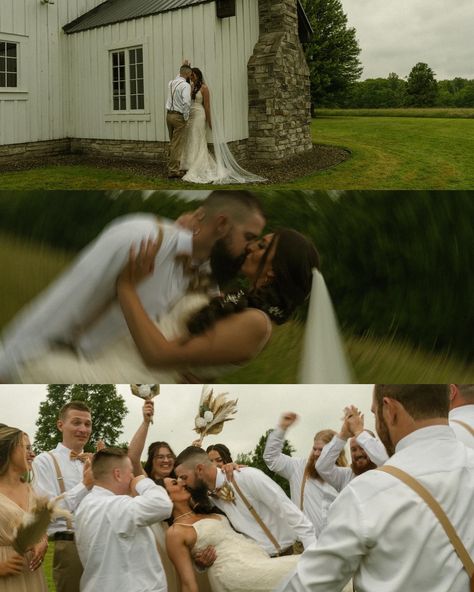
point(393, 92)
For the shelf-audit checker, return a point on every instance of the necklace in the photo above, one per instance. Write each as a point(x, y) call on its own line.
point(185, 514)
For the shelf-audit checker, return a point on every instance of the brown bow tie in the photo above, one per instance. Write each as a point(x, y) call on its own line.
point(82, 456)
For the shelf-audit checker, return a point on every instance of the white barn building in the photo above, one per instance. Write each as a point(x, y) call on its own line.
point(91, 76)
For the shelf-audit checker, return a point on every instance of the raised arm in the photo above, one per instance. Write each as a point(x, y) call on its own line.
point(373, 447)
point(273, 455)
point(236, 338)
point(178, 541)
point(326, 466)
point(137, 443)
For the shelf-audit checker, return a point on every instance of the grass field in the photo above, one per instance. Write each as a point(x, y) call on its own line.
point(390, 149)
point(373, 360)
point(48, 567)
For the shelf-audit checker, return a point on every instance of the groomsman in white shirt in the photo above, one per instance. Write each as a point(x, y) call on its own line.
point(461, 414)
point(380, 531)
point(284, 523)
point(66, 471)
point(116, 547)
point(367, 452)
point(80, 309)
point(178, 106)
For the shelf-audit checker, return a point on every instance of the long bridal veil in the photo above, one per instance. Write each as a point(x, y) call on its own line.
point(323, 360)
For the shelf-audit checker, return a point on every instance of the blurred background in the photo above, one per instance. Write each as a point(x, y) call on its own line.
point(397, 264)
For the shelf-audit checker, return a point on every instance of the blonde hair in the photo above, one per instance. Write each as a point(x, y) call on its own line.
point(10, 438)
point(325, 436)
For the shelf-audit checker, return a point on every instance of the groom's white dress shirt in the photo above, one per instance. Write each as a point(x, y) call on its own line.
point(381, 531)
point(45, 482)
point(80, 308)
point(116, 546)
point(339, 477)
point(284, 520)
point(318, 495)
point(465, 413)
point(179, 96)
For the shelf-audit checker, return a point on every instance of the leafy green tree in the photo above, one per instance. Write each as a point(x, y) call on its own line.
point(332, 54)
point(255, 459)
point(422, 88)
point(107, 408)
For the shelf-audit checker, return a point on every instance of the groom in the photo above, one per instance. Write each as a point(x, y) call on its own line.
point(254, 504)
point(178, 105)
point(80, 309)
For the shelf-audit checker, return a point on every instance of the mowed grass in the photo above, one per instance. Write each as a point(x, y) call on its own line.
point(29, 268)
point(390, 149)
point(48, 567)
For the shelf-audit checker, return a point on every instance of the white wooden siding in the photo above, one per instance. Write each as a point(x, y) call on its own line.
point(221, 48)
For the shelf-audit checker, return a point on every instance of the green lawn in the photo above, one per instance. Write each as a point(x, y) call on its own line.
point(373, 360)
point(390, 149)
point(48, 567)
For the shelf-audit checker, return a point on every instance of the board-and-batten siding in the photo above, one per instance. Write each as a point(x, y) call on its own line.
point(220, 47)
point(37, 109)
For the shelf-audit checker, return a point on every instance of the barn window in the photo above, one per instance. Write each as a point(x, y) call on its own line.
point(127, 79)
point(8, 64)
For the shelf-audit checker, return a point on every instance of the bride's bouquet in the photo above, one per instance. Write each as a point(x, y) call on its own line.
point(145, 391)
point(213, 411)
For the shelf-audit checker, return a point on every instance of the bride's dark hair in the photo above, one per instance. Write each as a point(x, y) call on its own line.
point(294, 259)
point(199, 82)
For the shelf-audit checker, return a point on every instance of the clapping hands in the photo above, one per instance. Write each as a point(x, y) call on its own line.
point(353, 422)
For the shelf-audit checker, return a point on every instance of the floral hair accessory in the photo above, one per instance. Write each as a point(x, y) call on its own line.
point(233, 297)
point(213, 411)
point(275, 311)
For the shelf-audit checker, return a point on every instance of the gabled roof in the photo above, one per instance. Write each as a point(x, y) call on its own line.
point(116, 11)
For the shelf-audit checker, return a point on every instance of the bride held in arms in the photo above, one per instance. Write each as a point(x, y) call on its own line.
point(201, 166)
point(201, 337)
point(241, 565)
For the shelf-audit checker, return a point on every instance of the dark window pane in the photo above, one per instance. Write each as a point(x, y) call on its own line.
point(3, 49)
point(11, 80)
point(3, 64)
point(114, 59)
point(11, 65)
point(2, 79)
point(140, 71)
point(122, 58)
point(116, 103)
point(123, 103)
point(141, 102)
point(132, 56)
point(133, 72)
point(133, 102)
point(140, 87)
point(133, 87)
point(139, 51)
point(122, 87)
point(11, 50)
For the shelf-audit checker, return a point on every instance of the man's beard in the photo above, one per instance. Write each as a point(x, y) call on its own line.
point(199, 490)
point(224, 265)
point(358, 470)
point(383, 433)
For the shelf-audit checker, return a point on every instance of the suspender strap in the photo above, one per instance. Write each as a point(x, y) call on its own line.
point(303, 483)
point(257, 518)
point(60, 479)
point(439, 513)
point(173, 90)
point(464, 425)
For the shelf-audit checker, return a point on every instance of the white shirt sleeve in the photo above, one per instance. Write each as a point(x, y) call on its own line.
point(272, 495)
point(186, 97)
point(45, 484)
point(150, 506)
point(328, 565)
point(373, 447)
point(326, 466)
point(273, 455)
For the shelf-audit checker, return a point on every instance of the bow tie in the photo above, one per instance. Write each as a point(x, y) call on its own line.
point(82, 456)
point(225, 493)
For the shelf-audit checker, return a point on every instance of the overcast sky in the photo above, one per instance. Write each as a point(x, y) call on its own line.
point(259, 407)
point(394, 35)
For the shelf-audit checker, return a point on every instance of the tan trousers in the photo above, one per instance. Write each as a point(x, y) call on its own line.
point(176, 129)
point(67, 567)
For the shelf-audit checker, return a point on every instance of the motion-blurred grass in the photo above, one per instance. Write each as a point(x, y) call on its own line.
point(31, 268)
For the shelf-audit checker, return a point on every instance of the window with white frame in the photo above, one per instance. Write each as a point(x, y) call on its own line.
point(8, 64)
point(127, 79)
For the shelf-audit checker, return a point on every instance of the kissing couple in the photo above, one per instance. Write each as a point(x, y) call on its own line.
point(140, 304)
point(189, 115)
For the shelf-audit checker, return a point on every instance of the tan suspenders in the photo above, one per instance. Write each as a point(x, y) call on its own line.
point(62, 488)
point(257, 518)
point(439, 513)
point(464, 425)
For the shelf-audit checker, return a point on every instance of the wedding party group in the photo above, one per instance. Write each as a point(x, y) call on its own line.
point(398, 517)
point(189, 117)
point(146, 301)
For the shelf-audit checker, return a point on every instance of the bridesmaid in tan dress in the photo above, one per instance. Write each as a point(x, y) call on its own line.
point(17, 573)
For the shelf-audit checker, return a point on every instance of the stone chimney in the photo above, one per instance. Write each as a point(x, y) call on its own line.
point(279, 86)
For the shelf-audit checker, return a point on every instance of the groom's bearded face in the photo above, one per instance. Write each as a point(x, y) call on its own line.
point(224, 264)
point(198, 490)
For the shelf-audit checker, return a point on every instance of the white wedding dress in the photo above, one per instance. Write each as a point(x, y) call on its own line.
point(121, 362)
point(241, 564)
point(200, 165)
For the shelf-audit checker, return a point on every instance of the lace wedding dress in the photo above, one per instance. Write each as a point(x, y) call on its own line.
point(121, 362)
point(200, 165)
point(241, 564)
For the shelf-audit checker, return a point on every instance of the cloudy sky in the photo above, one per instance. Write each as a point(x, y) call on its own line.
point(394, 35)
point(259, 407)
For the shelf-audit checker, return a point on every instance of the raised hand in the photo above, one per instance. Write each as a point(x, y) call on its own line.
point(287, 419)
point(140, 264)
point(148, 411)
point(355, 420)
point(87, 476)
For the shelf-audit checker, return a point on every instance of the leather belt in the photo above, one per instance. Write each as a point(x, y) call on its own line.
point(63, 536)
point(177, 112)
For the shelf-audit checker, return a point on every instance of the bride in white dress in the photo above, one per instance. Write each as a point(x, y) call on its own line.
point(200, 338)
point(241, 564)
point(199, 163)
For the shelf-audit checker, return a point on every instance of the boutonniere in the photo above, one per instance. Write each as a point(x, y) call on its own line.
point(226, 493)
